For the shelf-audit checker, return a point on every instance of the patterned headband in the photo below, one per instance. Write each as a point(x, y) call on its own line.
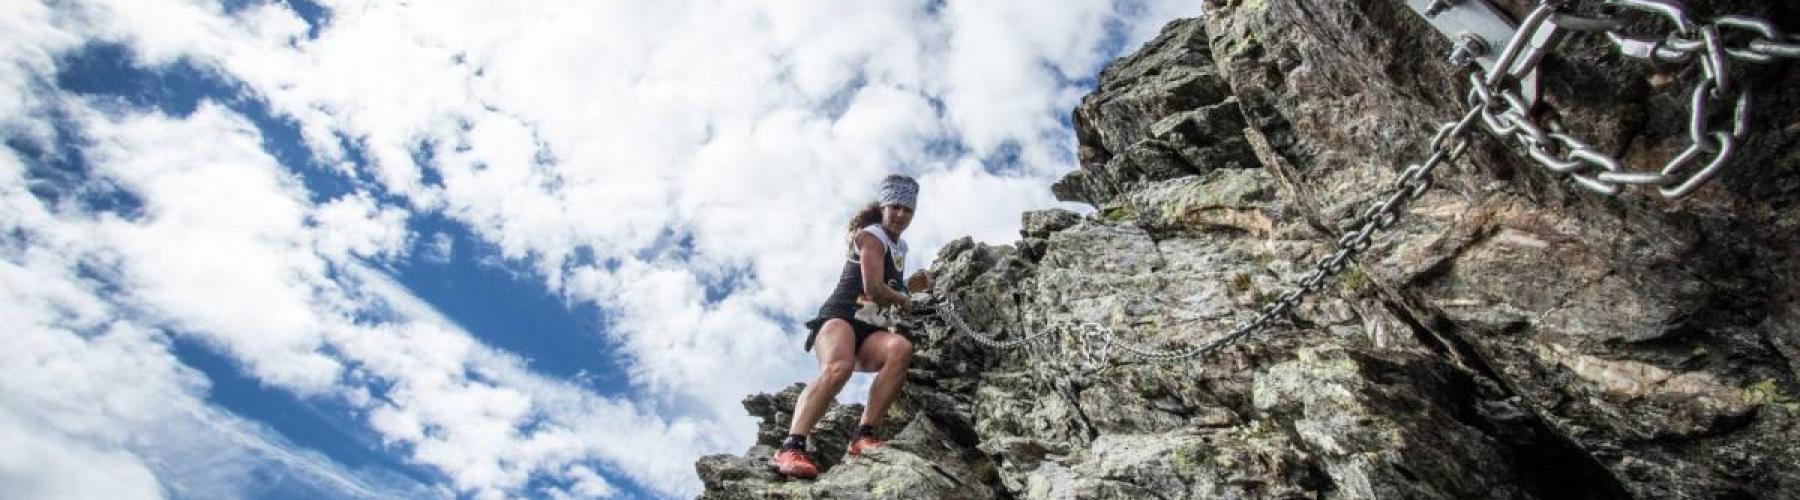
point(899, 190)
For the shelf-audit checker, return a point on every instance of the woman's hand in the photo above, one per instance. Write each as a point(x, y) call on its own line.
point(919, 282)
point(902, 300)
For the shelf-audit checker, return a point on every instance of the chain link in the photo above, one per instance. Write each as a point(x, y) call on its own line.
point(1711, 143)
point(1765, 41)
point(1709, 146)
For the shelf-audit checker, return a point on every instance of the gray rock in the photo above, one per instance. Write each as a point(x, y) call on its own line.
point(1171, 75)
point(1161, 114)
point(1612, 321)
point(920, 462)
point(1040, 223)
point(1138, 164)
point(1342, 406)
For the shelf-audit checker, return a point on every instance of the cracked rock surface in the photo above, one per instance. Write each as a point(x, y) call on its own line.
point(1513, 336)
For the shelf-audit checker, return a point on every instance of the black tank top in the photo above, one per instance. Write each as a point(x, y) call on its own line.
point(842, 303)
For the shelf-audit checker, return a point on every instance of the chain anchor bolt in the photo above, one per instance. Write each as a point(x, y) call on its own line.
point(1467, 48)
point(1439, 6)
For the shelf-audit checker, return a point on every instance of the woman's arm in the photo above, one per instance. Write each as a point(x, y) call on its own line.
point(872, 254)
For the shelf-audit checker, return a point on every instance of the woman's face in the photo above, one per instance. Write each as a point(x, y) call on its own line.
point(896, 217)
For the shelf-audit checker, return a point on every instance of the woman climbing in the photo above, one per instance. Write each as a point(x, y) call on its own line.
point(842, 342)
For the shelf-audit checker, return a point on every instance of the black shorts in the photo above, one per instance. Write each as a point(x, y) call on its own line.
point(862, 329)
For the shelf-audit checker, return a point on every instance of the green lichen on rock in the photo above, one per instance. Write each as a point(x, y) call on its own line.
point(1353, 281)
point(1119, 214)
point(1766, 391)
point(1183, 460)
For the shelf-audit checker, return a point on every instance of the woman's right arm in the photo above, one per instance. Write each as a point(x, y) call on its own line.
point(871, 252)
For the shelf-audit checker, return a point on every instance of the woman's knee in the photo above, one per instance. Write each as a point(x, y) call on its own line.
point(900, 350)
point(893, 349)
point(837, 370)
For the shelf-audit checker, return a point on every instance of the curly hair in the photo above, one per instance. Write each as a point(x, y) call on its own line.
point(870, 214)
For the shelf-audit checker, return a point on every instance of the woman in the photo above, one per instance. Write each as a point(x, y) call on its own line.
point(844, 343)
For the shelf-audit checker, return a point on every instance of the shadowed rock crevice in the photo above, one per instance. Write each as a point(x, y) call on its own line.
point(1511, 337)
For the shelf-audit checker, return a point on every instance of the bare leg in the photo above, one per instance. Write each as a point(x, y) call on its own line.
point(888, 355)
point(833, 346)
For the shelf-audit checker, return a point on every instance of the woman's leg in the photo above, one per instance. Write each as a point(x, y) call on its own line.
point(888, 355)
point(834, 346)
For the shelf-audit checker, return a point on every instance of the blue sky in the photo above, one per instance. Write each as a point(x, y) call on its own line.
point(347, 249)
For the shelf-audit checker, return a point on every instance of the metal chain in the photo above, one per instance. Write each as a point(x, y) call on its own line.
point(1508, 115)
point(1689, 39)
point(1449, 142)
point(948, 312)
point(1497, 101)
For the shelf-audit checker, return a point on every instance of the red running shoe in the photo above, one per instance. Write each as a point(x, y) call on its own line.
point(864, 443)
point(795, 464)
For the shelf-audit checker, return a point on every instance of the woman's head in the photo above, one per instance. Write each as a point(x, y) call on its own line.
point(893, 206)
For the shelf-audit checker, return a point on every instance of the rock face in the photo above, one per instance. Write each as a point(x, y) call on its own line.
point(1513, 336)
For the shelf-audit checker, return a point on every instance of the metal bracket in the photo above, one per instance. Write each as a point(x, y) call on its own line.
point(1478, 32)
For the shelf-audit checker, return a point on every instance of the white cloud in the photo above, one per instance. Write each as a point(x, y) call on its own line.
point(1005, 58)
point(686, 145)
point(466, 407)
point(96, 406)
point(51, 466)
point(27, 55)
point(354, 225)
point(159, 32)
point(439, 249)
point(222, 252)
point(222, 249)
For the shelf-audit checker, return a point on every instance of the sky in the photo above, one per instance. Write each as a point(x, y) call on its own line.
point(476, 249)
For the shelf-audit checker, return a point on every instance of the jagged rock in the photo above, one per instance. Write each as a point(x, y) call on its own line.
point(1040, 223)
point(1238, 200)
point(1144, 162)
point(832, 434)
point(1161, 114)
point(1173, 74)
point(1209, 137)
point(920, 462)
point(1620, 323)
point(1511, 336)
point(1385, 428)
point(748, 476)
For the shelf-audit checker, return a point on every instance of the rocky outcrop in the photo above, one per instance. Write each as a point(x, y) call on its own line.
point(1161, 114)
point(921, 461)
point(1513, 336)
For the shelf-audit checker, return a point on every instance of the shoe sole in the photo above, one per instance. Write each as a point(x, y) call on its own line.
point(778, 472)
